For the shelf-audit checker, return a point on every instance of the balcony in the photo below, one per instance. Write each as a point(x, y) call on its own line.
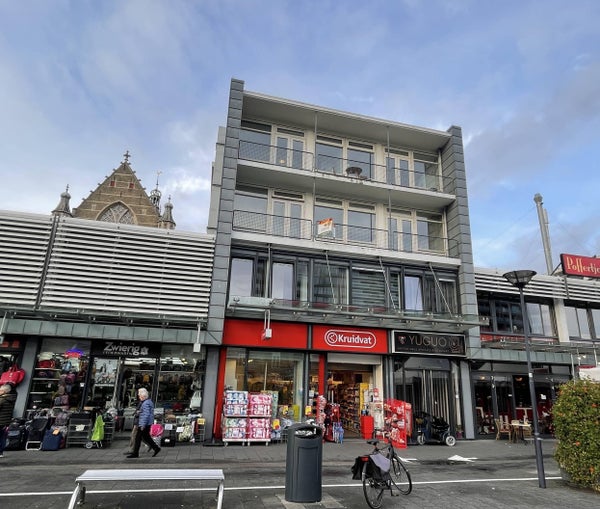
point(322, 312)
point(340, 234)
point(355, 171)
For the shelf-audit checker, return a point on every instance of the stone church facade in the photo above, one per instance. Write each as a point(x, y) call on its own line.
point(122, 199)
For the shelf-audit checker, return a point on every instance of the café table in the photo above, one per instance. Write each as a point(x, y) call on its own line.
point(519, 430)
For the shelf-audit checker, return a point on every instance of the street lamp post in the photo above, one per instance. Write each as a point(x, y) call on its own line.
point(520, 279)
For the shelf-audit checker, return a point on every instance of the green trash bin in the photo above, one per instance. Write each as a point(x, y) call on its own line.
point(304, 463)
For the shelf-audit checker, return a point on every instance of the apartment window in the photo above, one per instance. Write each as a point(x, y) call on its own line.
point(255, 141)
point(540, 319)
point(282, 281)
point(330, 283)
point(426, 171)
point(397, 170)
point(368, 287)
point(509, 317)
point(352, 221)
point(430, 232)
point(334, 212)
point(360, 226)
point(329, 158)
point(250, 209)
point(413, 293)
point(577, 322)
point(362, 160)
point(484, 309)
point(400, 231)
point(596, 322)
point(241, 277)
point(290, 149)
point(287, 220)
point(441, 296)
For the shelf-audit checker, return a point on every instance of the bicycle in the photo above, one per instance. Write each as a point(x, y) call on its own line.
point(383, 470)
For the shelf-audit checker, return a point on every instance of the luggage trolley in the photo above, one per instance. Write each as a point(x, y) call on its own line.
point(80, 426)
point(35, 433)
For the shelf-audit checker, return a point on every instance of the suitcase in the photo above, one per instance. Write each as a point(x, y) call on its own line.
point(16, 436)
point(169, 438)
point(52, 440)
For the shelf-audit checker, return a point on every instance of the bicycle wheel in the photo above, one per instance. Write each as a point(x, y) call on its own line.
point(373, 491)
point(400, 476)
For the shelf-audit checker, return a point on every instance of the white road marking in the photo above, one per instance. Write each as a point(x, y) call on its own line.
point(277, 487)
point(408, 460)
point(456, 457)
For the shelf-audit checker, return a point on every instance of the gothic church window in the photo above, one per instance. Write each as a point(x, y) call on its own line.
point(117, 213)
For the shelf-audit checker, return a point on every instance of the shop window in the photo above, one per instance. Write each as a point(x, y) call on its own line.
point(277, 373)
point(59, 375)
point(180, 377)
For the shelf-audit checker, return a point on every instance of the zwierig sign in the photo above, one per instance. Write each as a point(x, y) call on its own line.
point(125, 349)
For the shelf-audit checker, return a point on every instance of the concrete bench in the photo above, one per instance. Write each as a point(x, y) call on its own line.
point(147, 474)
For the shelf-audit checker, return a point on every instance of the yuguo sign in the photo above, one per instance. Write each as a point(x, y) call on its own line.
point(429, 344)
point(575, 265)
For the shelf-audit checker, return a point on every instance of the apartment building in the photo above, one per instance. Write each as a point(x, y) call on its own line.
point(343, 262)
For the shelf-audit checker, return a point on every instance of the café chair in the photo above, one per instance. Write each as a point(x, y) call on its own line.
point(527, 433)
point(502, 429)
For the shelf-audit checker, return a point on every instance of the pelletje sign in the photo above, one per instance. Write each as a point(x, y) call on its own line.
point(580, 265)
point(429, 344)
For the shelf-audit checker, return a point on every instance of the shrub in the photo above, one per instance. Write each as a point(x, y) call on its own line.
point(577, 427)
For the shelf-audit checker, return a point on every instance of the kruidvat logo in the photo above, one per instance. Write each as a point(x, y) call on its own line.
point(350, 339)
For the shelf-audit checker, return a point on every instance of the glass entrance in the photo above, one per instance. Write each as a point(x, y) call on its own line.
point(426, 384)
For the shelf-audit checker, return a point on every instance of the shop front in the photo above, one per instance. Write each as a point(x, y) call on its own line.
point(501, 393)
point(332, 374)
point(81, 374)
point(427, 374)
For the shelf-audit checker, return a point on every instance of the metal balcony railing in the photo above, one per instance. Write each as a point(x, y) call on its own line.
point(346, 168)
point(296, 228)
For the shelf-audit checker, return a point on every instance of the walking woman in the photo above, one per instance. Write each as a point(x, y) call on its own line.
point(146, 419)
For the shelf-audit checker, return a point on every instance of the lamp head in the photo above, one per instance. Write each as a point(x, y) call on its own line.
point(519, 278)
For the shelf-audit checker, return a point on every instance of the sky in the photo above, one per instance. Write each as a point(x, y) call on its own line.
point(82, 81)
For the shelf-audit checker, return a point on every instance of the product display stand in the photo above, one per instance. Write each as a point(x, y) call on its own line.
point(235, 412)
point(246, 417)
point(398, 421)
point(259, 418)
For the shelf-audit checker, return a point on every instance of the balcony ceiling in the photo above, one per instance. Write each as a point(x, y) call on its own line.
point(284, 112)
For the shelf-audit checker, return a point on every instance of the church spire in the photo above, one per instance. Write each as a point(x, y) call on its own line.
point(63, 208)
point(166, 220)
point(155, 194)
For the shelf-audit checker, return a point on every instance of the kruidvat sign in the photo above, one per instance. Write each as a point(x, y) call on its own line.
point(580, 265)
point(349, 340)
point(125, 349)
point(429, 344)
